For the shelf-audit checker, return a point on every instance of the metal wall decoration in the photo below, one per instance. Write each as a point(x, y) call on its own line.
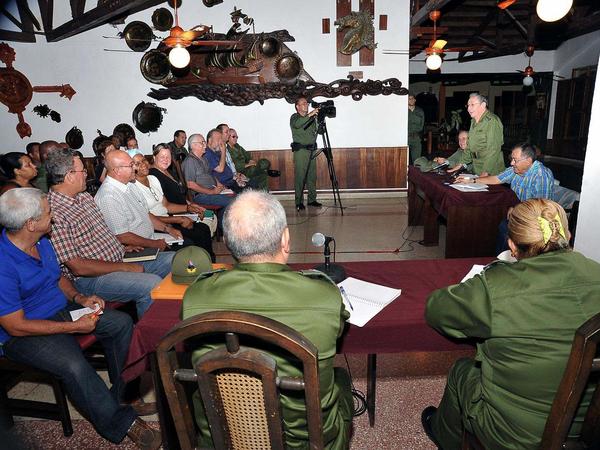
point(16, 90)
point(358, 32)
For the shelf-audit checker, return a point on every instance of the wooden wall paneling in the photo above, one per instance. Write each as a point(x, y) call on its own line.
point(343, 8)
point(325, 26)
point(366, 55)
point(383, 22)
point(356, 168)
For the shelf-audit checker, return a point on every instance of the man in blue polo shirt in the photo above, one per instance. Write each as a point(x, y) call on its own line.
point(528, 178)
point(36, 327)
point(216, 155)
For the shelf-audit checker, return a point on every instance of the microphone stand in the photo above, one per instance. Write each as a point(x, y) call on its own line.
point(333, 271)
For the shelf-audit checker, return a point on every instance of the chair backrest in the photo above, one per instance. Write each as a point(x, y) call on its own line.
point(582, 362)
point(239, 385)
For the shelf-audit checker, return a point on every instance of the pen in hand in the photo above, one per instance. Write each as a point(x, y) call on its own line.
point(343, 292)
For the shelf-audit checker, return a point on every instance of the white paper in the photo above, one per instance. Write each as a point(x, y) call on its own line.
point(226, 192)
point(506, 256)
point(365, 300)
point(475, 270)
point(168, 238)
point(76, 314)
point(470, 187)
point(191, 216)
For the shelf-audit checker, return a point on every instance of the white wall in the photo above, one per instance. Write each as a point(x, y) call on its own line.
point(588, 220)
point(109, 84)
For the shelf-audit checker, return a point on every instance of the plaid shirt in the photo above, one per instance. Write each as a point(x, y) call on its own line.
point(79, 231)
point(537, 182)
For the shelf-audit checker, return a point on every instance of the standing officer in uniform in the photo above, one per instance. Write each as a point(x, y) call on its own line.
point(485, 139)
point(304, 134)
point(416, 122)
point(257, 235)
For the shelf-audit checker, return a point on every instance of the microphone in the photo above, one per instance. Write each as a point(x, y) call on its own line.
point(439, 166)
point(319, 239)
point(333, 271)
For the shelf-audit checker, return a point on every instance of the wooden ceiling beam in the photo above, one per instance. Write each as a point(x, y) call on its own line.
point(47, 12)
point(518, 24)
point(423, 14)
point(77, 8)
point(100, 15)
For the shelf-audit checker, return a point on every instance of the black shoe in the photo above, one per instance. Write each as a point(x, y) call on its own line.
point(273, 173)
point(426, 417)
point(300, 207)
point(316, 204)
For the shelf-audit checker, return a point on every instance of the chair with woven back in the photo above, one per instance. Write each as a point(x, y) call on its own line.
point(239, 384)
point(583, 364)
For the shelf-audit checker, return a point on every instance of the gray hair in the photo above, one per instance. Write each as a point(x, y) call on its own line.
point(253, 225)
point(17, 206)
point(191, 140)
point(58, 165)
point(480, 98)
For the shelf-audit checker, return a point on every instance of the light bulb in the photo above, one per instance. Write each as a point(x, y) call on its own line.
point(553, 10)
point(527, 81)
point(179, 57)
point(433, 61)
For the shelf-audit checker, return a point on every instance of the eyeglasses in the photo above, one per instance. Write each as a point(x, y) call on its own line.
point(233, 137)
point(515, 160)
point(130, 166)
point(78, 171)
point(472, 104)
point(199, 142)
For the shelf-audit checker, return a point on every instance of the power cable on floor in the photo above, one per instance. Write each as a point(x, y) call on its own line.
point(360, 400)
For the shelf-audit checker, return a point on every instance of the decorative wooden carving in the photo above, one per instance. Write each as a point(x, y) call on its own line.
point(16, 90)
point(358, 32)
point(342, 9)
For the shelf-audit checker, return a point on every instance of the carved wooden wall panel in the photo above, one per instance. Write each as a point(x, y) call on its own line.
point(356, 168)
point(343, 8)
point(366, 55)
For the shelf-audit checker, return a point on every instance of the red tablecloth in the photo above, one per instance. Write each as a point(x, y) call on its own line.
point(444, 196)
point(400, 327)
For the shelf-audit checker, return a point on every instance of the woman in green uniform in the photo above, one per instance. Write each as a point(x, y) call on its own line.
point(523, 316)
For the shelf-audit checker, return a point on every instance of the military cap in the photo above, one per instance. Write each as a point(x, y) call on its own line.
point(188, 263)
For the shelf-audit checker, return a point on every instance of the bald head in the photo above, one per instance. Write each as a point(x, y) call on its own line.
point(119, 166)
point(255, 228)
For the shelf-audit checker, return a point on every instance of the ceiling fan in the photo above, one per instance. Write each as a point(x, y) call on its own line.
point(529, 72)
point(505, 3)
point(179, 39)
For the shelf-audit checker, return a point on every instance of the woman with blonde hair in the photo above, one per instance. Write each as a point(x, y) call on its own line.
point(523, 316)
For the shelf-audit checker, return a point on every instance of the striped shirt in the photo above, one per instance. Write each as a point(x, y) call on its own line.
point(537, 182)
point(79, 231)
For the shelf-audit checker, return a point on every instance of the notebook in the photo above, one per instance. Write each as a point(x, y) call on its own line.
point(364, 300)
point(170, 240)
point(147, 254)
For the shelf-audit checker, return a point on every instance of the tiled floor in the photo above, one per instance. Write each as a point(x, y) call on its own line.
point(370, 229)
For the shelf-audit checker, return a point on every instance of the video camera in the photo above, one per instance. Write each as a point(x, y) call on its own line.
point(326, 109)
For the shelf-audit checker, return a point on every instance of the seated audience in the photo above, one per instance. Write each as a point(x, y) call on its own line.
point(90, 255)
point(36, 327)
point(194, 233)
point(33, 150)
point(177, 146)
point(257, 172)
point(46, 148)
point(523, 316)
point(103, 148)
point(199, 177)
point(216, 155)
point(132, 147)
point(19, 170)
point(124, 208)
point(257, 235)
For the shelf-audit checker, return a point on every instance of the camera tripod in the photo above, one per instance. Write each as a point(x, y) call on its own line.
point(326, 149)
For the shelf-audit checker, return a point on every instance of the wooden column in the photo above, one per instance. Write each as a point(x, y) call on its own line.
point(366, 55)
point(343, 8)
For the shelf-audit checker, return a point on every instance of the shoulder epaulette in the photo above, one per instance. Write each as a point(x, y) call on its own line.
point(316, 275)
point(205, 275)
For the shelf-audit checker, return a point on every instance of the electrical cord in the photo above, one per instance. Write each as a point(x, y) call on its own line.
point(360, 400)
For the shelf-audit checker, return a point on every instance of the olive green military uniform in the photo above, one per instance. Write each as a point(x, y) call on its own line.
point(455, 158)
point(311, 306)
point(257, 173)
point(524, 316)
point(484, 149)
point(302, 157)
point(416, 122)
point(41, 181)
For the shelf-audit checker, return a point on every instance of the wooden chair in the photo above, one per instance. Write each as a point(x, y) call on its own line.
point(239, 385)
point(583, 361)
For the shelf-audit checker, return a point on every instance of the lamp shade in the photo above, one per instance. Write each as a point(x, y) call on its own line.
point(527, 81)
point(433, 61)
point(553, 10)
point(179, 57)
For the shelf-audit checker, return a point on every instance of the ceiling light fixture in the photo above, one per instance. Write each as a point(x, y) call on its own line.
point(553, 10)
point(527, 80)
point(433, 61)
point(179, 57)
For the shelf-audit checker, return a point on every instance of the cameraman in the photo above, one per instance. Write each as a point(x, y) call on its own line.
point(304, 134)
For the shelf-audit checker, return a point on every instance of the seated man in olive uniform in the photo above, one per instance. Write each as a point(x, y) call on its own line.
point(256, 233)
point(258, 171)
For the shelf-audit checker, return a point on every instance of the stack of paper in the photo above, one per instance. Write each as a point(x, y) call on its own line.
point(364, 300)
point(470, 187)
point(170, 240)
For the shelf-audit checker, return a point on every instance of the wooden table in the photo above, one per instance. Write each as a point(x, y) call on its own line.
point(400, 327)
point(472, 218)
